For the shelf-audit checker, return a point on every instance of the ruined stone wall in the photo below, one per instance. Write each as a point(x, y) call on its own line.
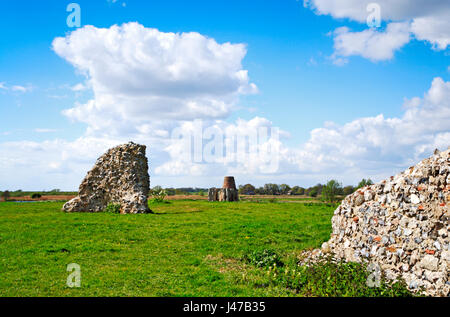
point(119, 176)
point(228, 192)
point(401, 224)
point(223, 194)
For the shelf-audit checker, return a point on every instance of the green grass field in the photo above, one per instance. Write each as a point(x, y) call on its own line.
point(188, 248)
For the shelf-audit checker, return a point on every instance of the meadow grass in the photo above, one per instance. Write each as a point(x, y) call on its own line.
point(182, 250)
point(187, 248)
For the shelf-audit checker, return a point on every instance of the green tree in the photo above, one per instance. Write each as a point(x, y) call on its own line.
point(347, 190)
point(284, 189)
point(157, 188)
point(313, 191)
point(365, 182)
point(170, 191)
point(330, 190)
point(294, 190)
point(6, 195)
point(271, 189)
point(259, 191)
point(247, 189)
point(297, 190)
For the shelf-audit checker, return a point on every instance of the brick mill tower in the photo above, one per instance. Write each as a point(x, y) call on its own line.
point(228, 192)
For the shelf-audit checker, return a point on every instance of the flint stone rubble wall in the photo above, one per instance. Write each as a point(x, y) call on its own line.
point(228, 192)
point(401, 224)
point(223, 194)
point(119, 176)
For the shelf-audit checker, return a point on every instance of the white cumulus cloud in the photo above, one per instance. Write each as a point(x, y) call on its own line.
point(370, 44)
point(49, 164)
point(379, 146)
point(217, 147)
point(141, 75)
point(425, 20)
point(374, 147)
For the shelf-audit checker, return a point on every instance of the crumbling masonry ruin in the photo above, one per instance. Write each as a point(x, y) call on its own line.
point(228, 192)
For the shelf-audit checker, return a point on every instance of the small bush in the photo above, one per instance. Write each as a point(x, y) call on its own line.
point(272, 200)
point(335, 279)
point(113, 208)
point(263, 258)
point(158, 195)
point(36, 196)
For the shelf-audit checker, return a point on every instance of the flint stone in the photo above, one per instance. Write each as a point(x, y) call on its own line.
point(403, 226)
point(414, 199)
point(359, 200)
point(119, 176)
point(429, 262)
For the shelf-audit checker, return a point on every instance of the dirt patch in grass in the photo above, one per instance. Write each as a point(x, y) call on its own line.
point(43, 198)
point(224, 264)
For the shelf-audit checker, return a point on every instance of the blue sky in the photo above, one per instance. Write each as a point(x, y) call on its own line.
point(291, 57)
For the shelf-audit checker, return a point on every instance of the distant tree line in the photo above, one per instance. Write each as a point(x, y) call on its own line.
point(328, 191)
point(181, 191)
point(6, 194)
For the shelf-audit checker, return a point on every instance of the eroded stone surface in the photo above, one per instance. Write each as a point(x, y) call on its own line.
point(401, 224)
point(223, 194)
point(119, 176)
point(228, 192)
